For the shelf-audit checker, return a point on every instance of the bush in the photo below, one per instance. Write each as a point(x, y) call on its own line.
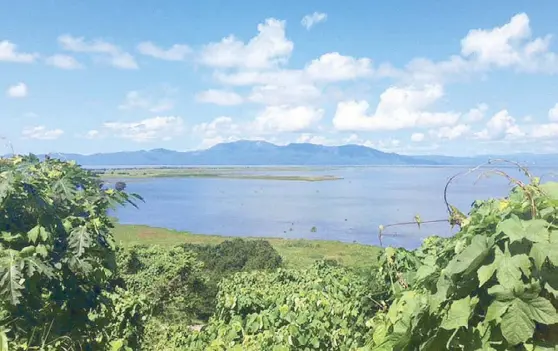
point(322, 308)
point(227, 258)
point(493, 286)
point(171, 279)
point(56, 253)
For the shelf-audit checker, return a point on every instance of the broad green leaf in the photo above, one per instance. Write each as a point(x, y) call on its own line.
point(510, 268)
point(517, 326)
point(79, 240)
point(10, 278)
point(496, 310)
point(535, 230)
point(543, 250)
point(486, 272)
point(501, 293)
point(458, 314)
point(542, 311)
point(470, 258)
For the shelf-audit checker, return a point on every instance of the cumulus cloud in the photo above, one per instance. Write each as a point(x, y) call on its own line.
point(219, 97)
point(41, 133)
point(336, 67)
point(398, 108)
point(107, 52)
point(451, 133)
point(10, 53)
point(269, 48)
point(477, 113)
point(151, 129)
point(510, 45)
point(137, 100)
point(277, 119)
point(18, 90)
point(310, 20)
point(176, 52)
point(63, 61)
point(221, 129)
point(501, 126)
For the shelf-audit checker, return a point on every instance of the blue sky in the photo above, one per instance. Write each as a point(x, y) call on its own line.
point(412, 77)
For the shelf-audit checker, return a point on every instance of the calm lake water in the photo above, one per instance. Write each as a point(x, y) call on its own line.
point(348, 210)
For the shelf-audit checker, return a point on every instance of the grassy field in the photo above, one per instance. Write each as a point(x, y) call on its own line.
point(297, 253)
point(212, 172)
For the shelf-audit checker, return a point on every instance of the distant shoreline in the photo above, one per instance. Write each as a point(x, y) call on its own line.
point(197, 172)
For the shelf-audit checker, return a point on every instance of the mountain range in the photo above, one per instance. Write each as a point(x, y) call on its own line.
point(263, 153)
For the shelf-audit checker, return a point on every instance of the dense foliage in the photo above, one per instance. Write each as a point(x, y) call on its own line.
point(493, 286)
point(56, 255)
point(225, 259)
point(65, 286)
point(322, 308)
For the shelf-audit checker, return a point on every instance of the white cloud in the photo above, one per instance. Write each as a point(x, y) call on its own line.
point(9, 53)
point(500, 126)
point(221, 129)
point(137, 100)
point(18, 90)
point(544, 131)
point(284, 94)
point(477, 113)
point(417, 137)
point(553, 113)
point(42, 133)
point(268, 49)
point(510, 45)
point(63, 61)
point(277, 119)
point(219, 97)
point(177, 52)
point(151, 129)
point(451, 133)
point(309, 21)
point(336, 67)
point(112, 54)
point(399, 108)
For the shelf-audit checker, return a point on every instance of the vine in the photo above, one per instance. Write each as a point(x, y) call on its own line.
point(492, 286)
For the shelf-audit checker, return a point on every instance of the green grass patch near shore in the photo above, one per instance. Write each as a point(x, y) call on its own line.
point(214, 172)
point(296, 253)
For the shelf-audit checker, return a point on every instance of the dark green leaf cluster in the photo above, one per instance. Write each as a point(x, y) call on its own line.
point(322, 308)
point(171, 279)
point(227, 258)
point(56, 251)
point(493, 286)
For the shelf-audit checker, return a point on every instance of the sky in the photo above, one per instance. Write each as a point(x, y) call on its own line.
point(412, 77)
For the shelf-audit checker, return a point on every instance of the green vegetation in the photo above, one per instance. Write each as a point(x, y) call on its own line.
point(211, 172)
point(296, 253)
point(66, 285)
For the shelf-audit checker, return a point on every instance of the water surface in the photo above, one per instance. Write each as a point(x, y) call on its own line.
point(348, 210)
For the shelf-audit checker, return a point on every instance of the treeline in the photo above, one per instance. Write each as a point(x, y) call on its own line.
point(65, 285)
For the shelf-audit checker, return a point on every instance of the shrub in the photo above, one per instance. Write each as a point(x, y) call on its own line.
point(227, 258)
point(322, 308)
point(493, 286)
point(170, 278)
point(56, 252)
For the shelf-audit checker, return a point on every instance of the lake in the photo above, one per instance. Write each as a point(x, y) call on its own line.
point(348, 210)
